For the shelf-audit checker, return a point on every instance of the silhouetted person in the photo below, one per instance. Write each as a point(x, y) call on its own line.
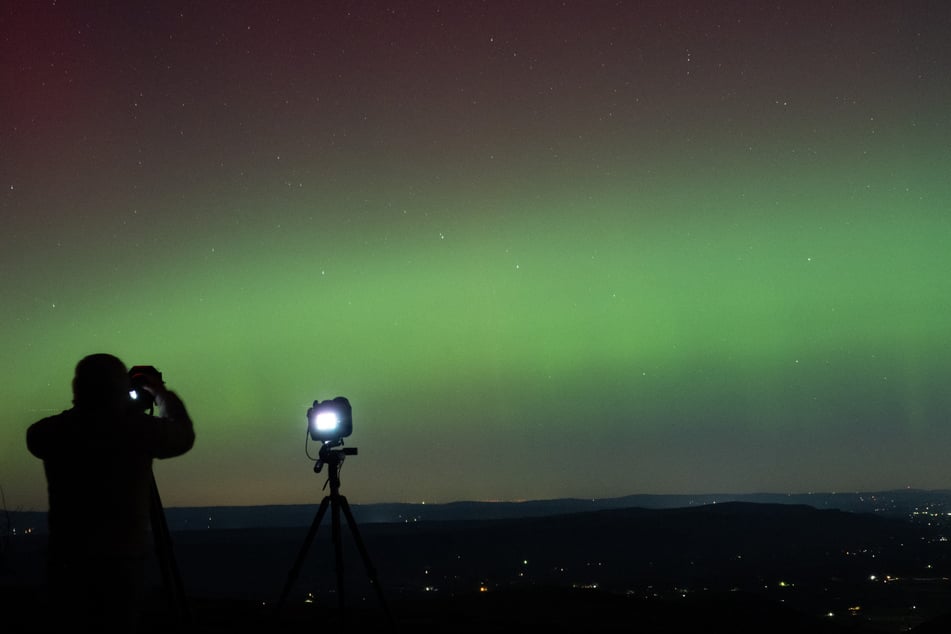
point(98, 462)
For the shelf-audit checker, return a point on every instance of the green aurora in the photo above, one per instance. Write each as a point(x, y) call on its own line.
point(702, 283)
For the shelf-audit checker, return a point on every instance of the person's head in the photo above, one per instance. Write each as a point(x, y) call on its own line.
point(101, 381)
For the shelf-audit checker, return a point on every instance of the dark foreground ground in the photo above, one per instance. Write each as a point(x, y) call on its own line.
point(737, 568)
point(516, 610)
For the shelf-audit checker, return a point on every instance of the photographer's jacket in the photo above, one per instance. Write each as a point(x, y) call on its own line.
point(99, 474)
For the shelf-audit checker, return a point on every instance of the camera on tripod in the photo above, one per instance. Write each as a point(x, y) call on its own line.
point(139, 377)
point(329, 422)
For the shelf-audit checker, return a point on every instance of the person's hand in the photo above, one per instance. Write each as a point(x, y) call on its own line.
point(152, 384)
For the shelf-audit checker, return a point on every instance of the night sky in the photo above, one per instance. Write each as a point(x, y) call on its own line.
point(546, 249)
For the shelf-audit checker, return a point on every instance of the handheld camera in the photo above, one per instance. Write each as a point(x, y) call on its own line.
point(138, 377)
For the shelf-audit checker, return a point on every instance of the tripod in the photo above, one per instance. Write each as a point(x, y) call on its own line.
point(168, 566)
point(171, 578)
point(334, 458)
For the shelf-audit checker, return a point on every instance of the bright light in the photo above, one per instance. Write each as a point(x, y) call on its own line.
point(326, 421)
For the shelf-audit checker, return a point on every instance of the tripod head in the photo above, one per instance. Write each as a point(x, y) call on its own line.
point(333, 453)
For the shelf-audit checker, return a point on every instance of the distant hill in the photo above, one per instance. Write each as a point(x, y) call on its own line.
point(901, 503)
point(898, 503)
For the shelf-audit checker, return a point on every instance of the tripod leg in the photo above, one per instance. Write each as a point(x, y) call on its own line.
point(338, 555)
point(168, 566)
point(371, 570)
point(295, 571)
